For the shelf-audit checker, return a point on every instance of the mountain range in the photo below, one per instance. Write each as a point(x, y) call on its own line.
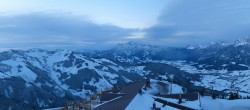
point(39, 78)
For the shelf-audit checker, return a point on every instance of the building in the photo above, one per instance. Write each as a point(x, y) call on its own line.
point(119, 101)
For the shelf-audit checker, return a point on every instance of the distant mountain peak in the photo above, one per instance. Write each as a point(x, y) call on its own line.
point(243, 41)
point(190, 47)
point(137, 44)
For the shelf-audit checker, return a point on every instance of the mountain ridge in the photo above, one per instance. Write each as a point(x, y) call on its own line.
point(37, 78)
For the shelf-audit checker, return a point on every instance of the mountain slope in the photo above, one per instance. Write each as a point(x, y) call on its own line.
point(36, 79)
point(41, 79)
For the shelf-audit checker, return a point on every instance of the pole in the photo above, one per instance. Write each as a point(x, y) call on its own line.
point(171, 88)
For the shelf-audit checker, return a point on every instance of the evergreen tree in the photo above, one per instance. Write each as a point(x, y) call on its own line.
point(236, 96)
point(222, 97)
point(213, 96)
point(202, 92)
point(158, 93)
point(231, 96)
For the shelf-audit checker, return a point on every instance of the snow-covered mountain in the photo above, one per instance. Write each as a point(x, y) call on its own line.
point(134, 52)
point(36, 78)
point(218, 56)
point(223, 66)
point(40, 79)
point(223, 55)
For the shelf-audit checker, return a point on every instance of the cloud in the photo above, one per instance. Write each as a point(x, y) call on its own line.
point(43, 29)
point(181, 23)
point(137, 35)
point(194, 22)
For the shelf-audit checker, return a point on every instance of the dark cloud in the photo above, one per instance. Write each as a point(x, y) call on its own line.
point(56, 30)
point(201, 21)
point(181, 23)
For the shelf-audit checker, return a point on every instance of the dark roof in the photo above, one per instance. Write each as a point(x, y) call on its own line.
point(109, 96)
point(189, 96)
point(121, 103)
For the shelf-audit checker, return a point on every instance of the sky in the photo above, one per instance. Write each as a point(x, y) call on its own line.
point(100, 24)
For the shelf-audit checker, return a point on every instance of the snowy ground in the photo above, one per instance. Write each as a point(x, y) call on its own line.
point(222, 104)
point(59, 108)
point(157, 86)
point(218, 79)
point(145, 102)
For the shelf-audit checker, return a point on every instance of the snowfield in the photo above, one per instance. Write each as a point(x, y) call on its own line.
point(47, 78)
point(207, 103)
point(145, 102)
point(221, 80)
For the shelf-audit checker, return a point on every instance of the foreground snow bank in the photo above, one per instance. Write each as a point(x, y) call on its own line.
point(207, 103)
point(145, 102)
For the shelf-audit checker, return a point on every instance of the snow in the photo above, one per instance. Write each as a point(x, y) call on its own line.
point(126, 80)
point(3, 75)
point(116, 68)
point(192, 104)
point(176, 89)
point(48, 60)
point(222, 104)
point(145, 102)
point(103, 85)
point(218, 79)
point(137, 69)
point(243, 94)
point(182, 65)
point(107, 74)
point(233, 63)
point(59, 108)
point(240, 42)
point(155, 88)
point(190, 47)
point(6, 93)
point(25, 73)
point(106, 60)
point(240, 79)
point(10, 89)
point(243, 65)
